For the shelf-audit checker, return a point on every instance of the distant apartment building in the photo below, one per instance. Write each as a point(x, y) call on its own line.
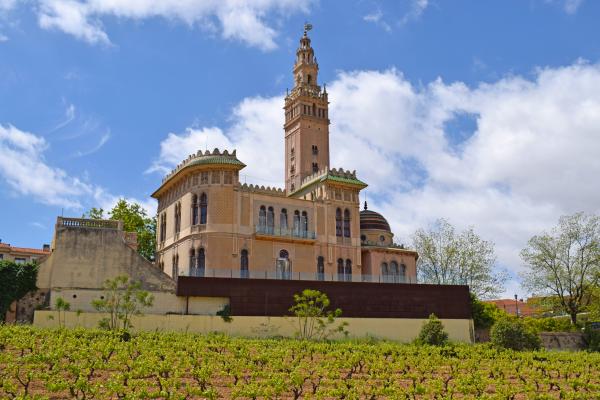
point(22, 255)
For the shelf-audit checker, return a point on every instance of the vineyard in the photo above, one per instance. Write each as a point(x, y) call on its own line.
point(93, 364)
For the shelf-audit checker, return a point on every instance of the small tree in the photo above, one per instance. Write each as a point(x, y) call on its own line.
point(313, 318)
point(433, 332)
point(62, 305)
point(122, 300)
point(485, 314)
point(511, 333)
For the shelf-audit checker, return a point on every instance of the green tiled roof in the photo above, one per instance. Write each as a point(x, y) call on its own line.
point(335, 178)
point(204, 160)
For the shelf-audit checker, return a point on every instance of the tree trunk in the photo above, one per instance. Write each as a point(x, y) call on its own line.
point(573, 318)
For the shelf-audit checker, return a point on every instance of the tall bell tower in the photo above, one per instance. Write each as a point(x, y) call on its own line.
point(306, 120)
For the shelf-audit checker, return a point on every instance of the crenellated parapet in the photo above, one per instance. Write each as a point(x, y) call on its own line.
point(305, 90)
point(333, 174)
point(216, 157)
point(271, 191)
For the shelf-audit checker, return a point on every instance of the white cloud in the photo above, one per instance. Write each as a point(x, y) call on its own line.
point(244, 21)
point(376, 18)
point(6, 5)
point(532, 156)
point(417, 9)
point(3, 38)
point(24, 169)
point(571, 6)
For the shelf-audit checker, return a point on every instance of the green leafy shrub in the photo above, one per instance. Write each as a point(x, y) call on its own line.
point(485, 314)
point(511, 333)
point(225, 313)
point(557, 324)
point(433, 332)
point(592, 339)
point(16, 280)
point(313, 318)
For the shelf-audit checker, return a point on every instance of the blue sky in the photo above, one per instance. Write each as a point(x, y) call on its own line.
point(485, 113)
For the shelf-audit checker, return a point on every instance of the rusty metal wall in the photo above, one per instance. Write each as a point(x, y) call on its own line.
point(267, 297)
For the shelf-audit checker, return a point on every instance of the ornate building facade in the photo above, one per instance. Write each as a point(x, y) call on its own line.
point(209, 224)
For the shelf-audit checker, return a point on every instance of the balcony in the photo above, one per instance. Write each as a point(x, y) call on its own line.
point(298, 276)
point(285, 233)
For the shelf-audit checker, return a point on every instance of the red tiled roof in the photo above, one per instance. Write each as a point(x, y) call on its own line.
point(24, 249)
point(510, 306)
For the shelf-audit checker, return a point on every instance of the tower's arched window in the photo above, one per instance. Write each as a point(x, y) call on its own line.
point(320, 268)
point(203, 208)
point(296, 223)
point(244, 273)
point(338, 222)
point(346, 223)
point(195, 209)
point(270, 220)
point(348, 270)
point(262, 219)
point(315, 167)
point(201, 262)
point(340, 269)
point(309, 79)
point(283, 221)
point(394, 271)
point(304, 224)
point(384, 271)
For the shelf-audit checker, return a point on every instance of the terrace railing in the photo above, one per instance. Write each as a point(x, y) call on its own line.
point(89, 223)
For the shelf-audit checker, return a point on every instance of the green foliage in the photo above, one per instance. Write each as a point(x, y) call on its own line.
point(135, 219)
point(485, 314)
point(16, 280)
point(511, 333)
point(565, 263)
point(555, 324)
point(122, 300)
point(96, 364)
point(592, 339)
point(225, 313)
point(313, 318)
point(448, 257)
point(432, 332)
point(61, 305)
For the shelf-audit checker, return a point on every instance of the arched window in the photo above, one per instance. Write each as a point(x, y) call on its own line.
point(283, 221)
point(346, 223)
point(348, 270)
point(320, 268)
point(201, 262)
point(340, 269)
point(244, 273)
point(163, 227)
point(203, 208)
point(296, 223)
point(175, 266)
point(304, 224)
point(338, 223)
point(315, 167)
point(262, 219)
point(192, 261)
point(402, 273)
point(309, 78)
point(195, 210)
point(394, 271)
point(270, 221)
point(384, 271)
point(284, 266)
point(177, 217)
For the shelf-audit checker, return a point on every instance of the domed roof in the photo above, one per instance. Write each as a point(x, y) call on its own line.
point(373, 220)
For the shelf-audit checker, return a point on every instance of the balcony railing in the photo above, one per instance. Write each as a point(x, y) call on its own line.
point(89, 223)
point(288, 233)
point(297, 276)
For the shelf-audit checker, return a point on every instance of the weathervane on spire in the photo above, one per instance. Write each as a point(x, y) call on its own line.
point(307, 27)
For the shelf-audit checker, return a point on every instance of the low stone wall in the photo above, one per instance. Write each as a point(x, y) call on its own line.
point(397, 329)
point(563, 340)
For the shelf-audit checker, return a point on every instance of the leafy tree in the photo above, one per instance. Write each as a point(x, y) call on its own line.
point(485, 314)
point(135, 219)
point(433, 332)
point(565, 263)
point(447, 257)
point(314, 320)
point(16, 280)
point(122, 300)
point(511, 333)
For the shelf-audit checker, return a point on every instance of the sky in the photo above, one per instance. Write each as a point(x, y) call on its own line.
point(483, 113)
